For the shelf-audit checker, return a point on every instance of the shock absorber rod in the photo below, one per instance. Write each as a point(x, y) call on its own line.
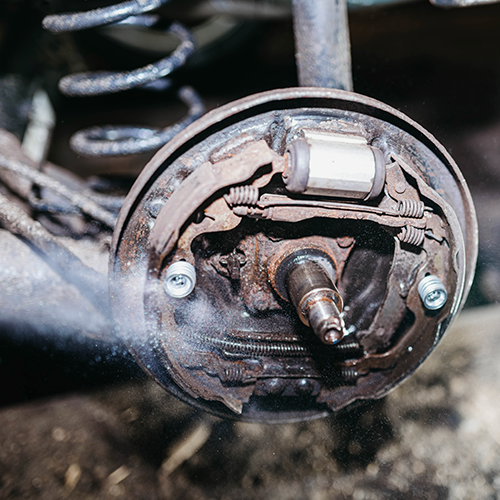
point(322, 46)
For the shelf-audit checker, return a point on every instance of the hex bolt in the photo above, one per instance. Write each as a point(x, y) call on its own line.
point(432, 292)
point(180, 279)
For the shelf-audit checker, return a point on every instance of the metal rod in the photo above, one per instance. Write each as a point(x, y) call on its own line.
point(18, 222)
point(84, 203)
point(322, 46)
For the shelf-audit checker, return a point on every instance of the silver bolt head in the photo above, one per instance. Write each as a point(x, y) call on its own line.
point(180, 280)
point(432, 293)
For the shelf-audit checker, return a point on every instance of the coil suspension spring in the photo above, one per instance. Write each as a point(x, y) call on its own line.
point(126, 140)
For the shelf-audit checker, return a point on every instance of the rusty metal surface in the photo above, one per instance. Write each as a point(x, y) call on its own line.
point(204, 183)
point(234, 346)
point(222, 117)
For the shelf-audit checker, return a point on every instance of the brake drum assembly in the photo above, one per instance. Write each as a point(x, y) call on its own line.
point(291, 253)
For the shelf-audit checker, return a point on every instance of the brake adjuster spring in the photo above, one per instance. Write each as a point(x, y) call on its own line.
point(242, 196)
point(411, 208)
point(125, 140)
point(412, 235)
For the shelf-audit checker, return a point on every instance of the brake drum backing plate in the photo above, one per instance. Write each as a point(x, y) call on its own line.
point(291, 253)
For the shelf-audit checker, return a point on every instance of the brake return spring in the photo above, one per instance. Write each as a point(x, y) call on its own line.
point(254, 348)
